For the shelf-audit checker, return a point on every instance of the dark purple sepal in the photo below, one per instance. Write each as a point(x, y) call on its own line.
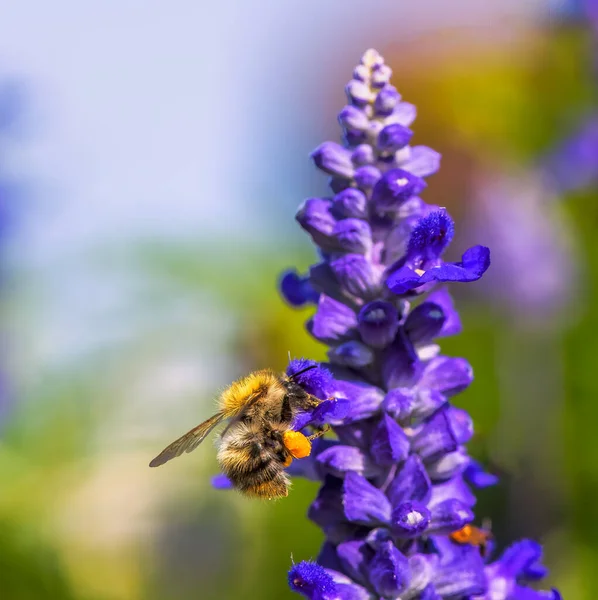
point(378, 323)
point(389, 444)
point(450, 515)
point(363, 503)
point(354, 556)
point(356, 274)
point(339, 460)
point(365, 399)
point(333, 159)
point(312, 581)
point(409, 519)
point(351, 354)
point(411, 483)
point(356, 434)
point(394, 188)
point(478, 476)
point(353, 137)
point(435, 438)
point(431, 236)
point(400, 364)
point(353, 235)
point(473, 265)
point(315, 216)
point(386, 101)
point(389, 571)
point(328, 558)
point(393, 137)
point(446, 375)
point(452, 321)
point(324, 281)
point(377, 536)
point(221, 482)
point(460, 572)
point(350, 203)
point(424, 323)
point(338, 184)
point(366, 177)
point(454, 488)
point(397, 403)
point(422, 162)
point(461, 424)
point(448, 466)
point(317, 381)
point(333, 321)
point(297, 290)
point(327, 508)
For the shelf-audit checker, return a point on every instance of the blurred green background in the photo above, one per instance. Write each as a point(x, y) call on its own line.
point(82, 517)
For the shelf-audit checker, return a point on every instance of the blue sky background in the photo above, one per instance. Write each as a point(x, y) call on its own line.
point(177, 120)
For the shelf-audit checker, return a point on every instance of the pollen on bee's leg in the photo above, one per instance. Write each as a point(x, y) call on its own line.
point(287, 461)
point(296, 443)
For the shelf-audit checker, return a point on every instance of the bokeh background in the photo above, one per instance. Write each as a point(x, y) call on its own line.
point(152, 155)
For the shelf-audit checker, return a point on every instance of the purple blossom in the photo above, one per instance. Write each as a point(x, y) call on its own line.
point(396, 475)
point(519, 215)
point(571, 165)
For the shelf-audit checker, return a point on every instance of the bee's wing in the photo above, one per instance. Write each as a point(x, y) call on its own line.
point(188, 442)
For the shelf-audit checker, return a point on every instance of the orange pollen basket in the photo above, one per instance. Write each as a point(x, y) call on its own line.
point(297, 444)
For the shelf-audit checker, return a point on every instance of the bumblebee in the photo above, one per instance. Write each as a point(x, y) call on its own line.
point(258, 442)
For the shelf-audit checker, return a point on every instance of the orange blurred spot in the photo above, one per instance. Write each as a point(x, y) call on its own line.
point(470, 534)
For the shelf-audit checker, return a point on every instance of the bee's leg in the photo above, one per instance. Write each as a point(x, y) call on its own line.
point(319, 433)
point(312, 401)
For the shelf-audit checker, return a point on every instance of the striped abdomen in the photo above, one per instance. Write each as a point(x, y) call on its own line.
point(253, 459)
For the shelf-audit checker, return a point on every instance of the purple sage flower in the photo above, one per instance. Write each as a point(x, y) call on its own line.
point(396, 475)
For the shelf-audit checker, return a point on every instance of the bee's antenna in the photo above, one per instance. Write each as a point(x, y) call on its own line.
point(302, 371)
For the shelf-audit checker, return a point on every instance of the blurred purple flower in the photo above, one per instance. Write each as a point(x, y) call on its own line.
point(394, 478)
point(573, 164)
point(534, 269)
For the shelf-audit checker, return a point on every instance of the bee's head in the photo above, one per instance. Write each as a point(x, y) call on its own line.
point(295, 389)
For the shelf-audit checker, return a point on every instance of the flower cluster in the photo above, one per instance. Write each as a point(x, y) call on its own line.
point(396, 475)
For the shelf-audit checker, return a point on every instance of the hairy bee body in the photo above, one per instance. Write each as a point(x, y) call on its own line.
point(254, 447)
point(253, 457)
